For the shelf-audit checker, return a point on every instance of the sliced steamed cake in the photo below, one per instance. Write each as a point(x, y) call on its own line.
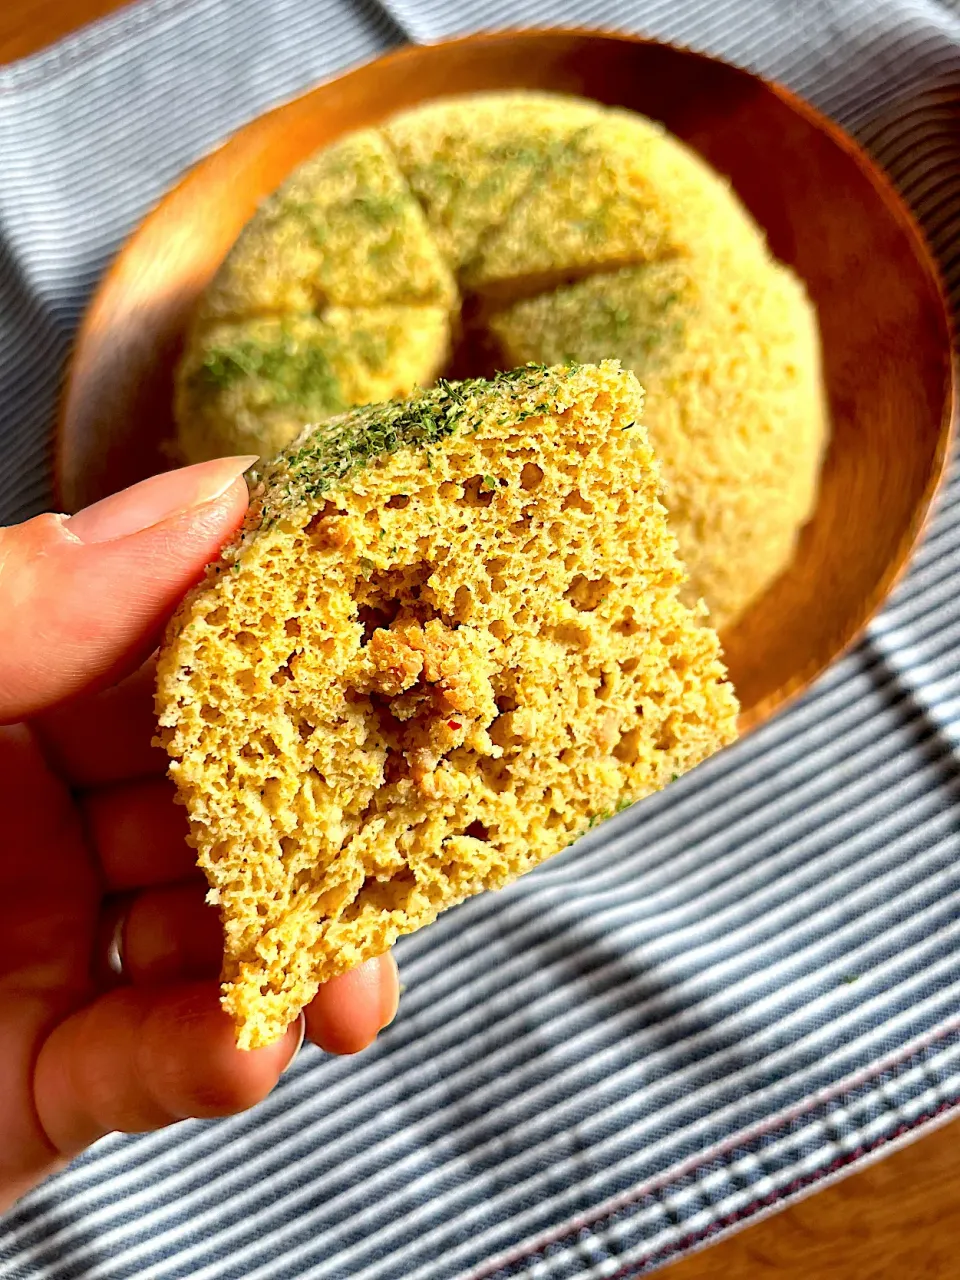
point(250, 386)
point(468, 160)
point(727, 350)
point(344, 230)
point(621, 191)
point(448, 639)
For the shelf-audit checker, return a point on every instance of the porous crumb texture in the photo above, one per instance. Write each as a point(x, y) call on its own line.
point(448, 639)
point(469, 233)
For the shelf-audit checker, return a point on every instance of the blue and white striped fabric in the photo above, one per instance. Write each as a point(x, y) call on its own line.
point(715, 1001)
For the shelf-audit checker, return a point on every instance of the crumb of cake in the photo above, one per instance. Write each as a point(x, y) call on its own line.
point(448, 640)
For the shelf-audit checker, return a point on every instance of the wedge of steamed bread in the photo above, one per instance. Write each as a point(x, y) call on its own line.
point(728, 352)
point(448, 639)
point(621, 192)
point(468, 160)
point(343, 230)
point(249, 386)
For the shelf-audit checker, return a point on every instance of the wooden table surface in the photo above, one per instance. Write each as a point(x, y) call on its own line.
point(898, 1219)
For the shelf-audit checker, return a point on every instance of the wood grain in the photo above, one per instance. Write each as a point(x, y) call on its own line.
point(897, 1220)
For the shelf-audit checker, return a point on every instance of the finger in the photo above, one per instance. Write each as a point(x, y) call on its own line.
point(162, 935)
point(83, 598)
point(26, 1153)
point(49, 886)
point(348, 1012)
point(138, 835)
point(106, 737)
point(140, 1058)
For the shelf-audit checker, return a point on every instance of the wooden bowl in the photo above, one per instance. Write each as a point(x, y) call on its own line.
point(827, 211)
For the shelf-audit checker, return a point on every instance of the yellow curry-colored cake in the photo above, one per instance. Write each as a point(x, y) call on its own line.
point(470, 160)
point(250, 385)
point(447, 640)
point(529, 227)
point(727, 356)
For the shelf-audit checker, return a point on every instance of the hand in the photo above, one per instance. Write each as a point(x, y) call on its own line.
point(93, 845)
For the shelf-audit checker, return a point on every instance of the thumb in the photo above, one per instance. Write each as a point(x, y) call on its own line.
point(82, 598)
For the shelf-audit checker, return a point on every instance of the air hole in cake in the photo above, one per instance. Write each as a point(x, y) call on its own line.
point(628, 748)
point(531, 475)
point(395, 767)
point(273, 793)
point(328, 509)
point(389, 726)
point(385, 592)
point(568, 633)
point(478, 491)
point(398, 502)
point(376, 617)
point(219, 850)
point(628, 626)
point(496, 774)
point(247, 680)
point(382, 895)
point(368, 811)
point(575, 501)
point(463, 604)
point(587, 594)
point(606, 686)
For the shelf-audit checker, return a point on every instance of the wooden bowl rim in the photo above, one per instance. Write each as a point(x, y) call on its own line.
point(891, 198)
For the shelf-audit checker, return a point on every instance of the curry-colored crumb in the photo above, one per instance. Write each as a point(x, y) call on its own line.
point(250, 386)
point(728, 354)
point(448, 639)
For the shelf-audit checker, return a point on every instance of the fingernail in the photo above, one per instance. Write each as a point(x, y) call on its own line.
point(303, 1031)
point(389, 989)
point(148, 503)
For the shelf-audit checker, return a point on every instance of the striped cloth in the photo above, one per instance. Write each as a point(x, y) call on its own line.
point(715, 1001)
